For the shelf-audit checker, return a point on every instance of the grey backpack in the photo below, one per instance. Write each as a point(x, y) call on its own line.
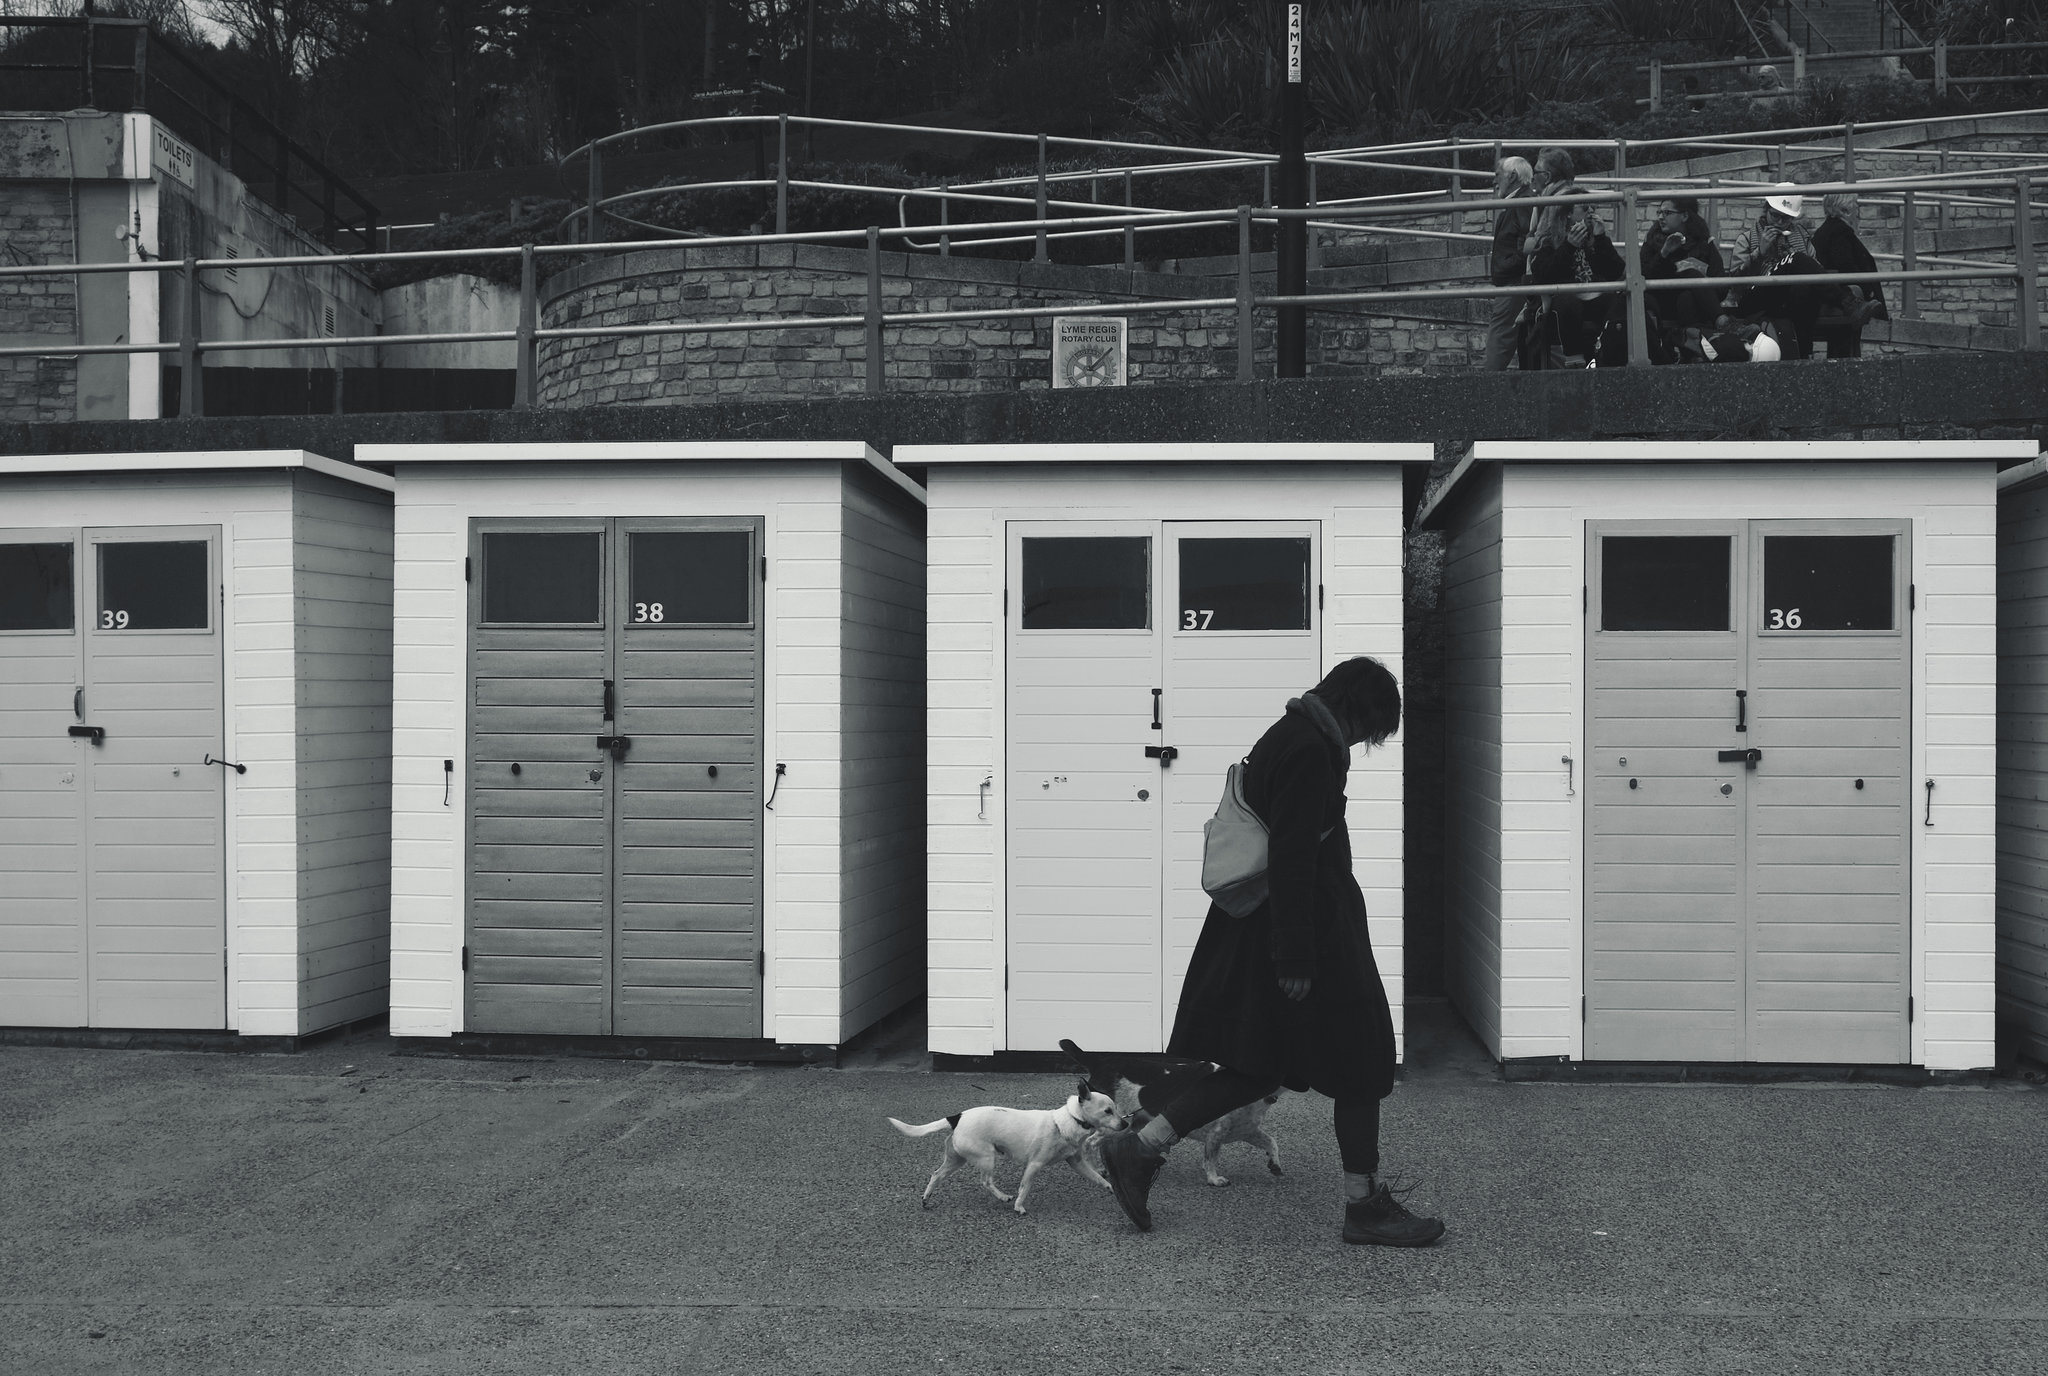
point(1234, 851)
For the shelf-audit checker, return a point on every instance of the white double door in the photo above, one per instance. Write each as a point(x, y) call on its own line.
point(1144, 658)
point(112, 821)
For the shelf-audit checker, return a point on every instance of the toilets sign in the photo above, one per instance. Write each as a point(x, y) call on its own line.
point(1090, 351)
point(171, 156)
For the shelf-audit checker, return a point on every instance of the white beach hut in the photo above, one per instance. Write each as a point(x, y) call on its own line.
point(2023, 758)
point(195, 671)
point(659, 743)
point(1720, 727)
point(1111, 626)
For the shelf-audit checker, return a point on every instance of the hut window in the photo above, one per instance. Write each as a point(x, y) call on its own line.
point(542, 577)
point(690, 578)
point(1664, 582)
point(153, 585)
point(1244, 585)
point(1087, 583)
point(1828, 583)
point(35, 587)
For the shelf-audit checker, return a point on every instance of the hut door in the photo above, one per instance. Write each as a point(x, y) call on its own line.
point(615, 778)
point(1747, 820)
point(113, 873)
point(1144, 658)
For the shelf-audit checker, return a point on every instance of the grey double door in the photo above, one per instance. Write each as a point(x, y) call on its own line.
point(615, 772)
point(112, 821)
point(1748, 806)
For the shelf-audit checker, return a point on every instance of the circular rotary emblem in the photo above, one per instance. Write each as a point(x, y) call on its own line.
point(1091, 367)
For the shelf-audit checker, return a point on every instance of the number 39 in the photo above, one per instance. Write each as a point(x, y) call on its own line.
point(647, 611)
point(1784, 620)
point(113, 621)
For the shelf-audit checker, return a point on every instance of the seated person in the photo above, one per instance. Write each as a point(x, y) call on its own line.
point(1837, 248)
point(1778, 246)
point(1679, 246)
point(1572, 245)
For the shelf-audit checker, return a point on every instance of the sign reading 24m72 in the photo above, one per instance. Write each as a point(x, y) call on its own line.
point(1090, 351)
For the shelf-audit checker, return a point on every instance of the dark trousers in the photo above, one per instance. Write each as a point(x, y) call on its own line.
point(1579, 322)
point(1189, 1100)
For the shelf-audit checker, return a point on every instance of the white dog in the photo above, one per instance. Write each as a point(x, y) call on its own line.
point(1037, 1137)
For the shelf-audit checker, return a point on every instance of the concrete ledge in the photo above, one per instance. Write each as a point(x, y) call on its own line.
point(178, 1039)
point(526, 1046)
point(1553, 1070)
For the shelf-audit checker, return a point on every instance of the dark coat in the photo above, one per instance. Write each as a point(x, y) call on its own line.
point(1837, 248)
point(1510, 228)
point(1340, 1039)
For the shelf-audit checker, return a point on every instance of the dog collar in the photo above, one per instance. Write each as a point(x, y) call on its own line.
point(1078, 1120)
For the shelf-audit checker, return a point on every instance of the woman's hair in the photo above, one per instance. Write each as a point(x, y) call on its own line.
point(1684, 205)
point(1842, 203)
point(1513, 172)
point(1556, 164)
point(1364, 695)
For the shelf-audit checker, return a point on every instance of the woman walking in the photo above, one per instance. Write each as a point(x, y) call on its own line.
point(1289, 996)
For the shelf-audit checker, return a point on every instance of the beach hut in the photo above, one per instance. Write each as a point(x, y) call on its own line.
point(1720, 749)
point(195, 667)
point(659, 745)
point(2023, 759)
point(1111, 626)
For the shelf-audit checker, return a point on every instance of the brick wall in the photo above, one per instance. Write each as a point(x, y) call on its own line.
point(36, 226)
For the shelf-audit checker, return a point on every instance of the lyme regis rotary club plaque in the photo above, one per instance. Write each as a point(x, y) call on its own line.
point(1089, 351)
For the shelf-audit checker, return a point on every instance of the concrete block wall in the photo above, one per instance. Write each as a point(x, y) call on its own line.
point(38, 225)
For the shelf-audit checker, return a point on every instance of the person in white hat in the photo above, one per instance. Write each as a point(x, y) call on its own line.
point(1778, 244)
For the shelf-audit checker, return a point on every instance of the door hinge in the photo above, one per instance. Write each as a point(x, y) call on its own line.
point(465, 958)
point(1909, 1008)
point(1582, 1008)
point(465, 568)
point(1912, 596)
point(761, 961)
point(1006, 975)
point(1585, 598)
point(1319, 597)
point(1006, 601)
point(764, 568)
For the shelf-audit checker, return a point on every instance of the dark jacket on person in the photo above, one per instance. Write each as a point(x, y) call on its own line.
point(1558, 260)
point(1698, 244)
point(1340, 1039)
point(1510, 228)
point(1838, 248)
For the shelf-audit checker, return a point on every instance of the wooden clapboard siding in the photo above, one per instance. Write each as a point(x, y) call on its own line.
point(1545, 507)
point(2023, 769)
point(881, 774)
point(1472, 751)
point(1359, 507)
point(341, 591)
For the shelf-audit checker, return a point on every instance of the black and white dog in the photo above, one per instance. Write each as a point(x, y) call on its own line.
point(1151, 1081)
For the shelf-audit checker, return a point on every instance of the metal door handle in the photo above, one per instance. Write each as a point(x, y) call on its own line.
point(607, 699)
point(238, 768)
point(1155, 708)
point(95, 734)
point(1747, 757)
point(1742, 709)
point(1165, 754)
point(618, 745)
point(78, 703)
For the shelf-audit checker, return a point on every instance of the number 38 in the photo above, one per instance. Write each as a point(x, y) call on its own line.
point(647, 611)
point(1783, 619)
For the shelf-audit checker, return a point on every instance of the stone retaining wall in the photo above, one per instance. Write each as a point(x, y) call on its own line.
point(36, 226)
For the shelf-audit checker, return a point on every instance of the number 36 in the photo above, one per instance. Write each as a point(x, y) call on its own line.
point(1783, 619)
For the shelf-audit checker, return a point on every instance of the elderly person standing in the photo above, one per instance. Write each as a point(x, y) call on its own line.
point(1568, 244)
point(1514, 178)
point(1837, 248)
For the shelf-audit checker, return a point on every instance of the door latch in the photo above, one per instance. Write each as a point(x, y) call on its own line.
point(618, 745)
point(1747, 757)
point(95, 734)
point(1165, 754)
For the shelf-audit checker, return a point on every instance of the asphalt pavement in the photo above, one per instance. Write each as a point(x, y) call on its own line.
point(348, 1209)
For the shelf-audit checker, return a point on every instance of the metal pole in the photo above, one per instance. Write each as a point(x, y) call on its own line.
point(1130, 231)
point(1849, 151)
point(85, 62)
point(1778, 162)
point(1940, 67)
point(528, 362)
point(1656, 85)
point(1909, 290)
point(138, 94)
point(1245, 341)
point(1457, 170)
point(945, 217)
point(191, 395)
point(1038, 255)
point(1621, 155)
point(1315, 236)
point(1798, 68)
point(1638, 317)
point(782, 174)
point(1290, 242)
point(2029, 283)
point(1941, 216)
point(810, 47)
point(593, 229)
point(874, 320)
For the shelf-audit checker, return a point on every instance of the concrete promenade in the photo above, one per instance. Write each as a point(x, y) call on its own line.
point(348, 1210)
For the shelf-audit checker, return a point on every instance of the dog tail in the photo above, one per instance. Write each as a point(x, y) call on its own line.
point(946, 1124)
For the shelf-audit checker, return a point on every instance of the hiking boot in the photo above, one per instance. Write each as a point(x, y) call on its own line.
point(1380, 1220)
point(1130, 1165)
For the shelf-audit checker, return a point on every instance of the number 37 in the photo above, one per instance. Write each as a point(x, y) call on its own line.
point(1193, 620)
point(1783, 619)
